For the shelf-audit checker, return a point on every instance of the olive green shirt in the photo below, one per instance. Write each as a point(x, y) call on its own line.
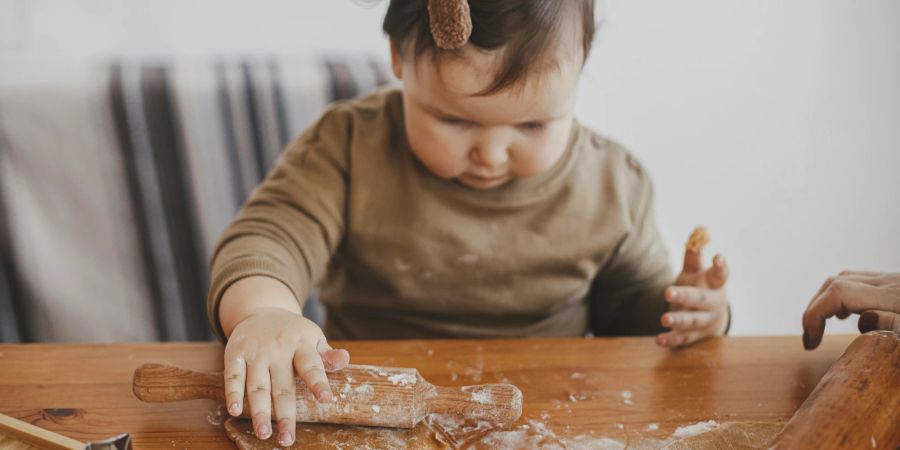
point(398, 252)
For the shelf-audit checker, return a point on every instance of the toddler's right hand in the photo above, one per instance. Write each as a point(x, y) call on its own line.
point(262, 353)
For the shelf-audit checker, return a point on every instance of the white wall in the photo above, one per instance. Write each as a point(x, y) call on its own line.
point(776, 124)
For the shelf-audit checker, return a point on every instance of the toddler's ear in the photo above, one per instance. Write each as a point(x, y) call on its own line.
point(396, 61)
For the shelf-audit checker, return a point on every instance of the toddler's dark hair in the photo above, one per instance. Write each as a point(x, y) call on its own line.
point(528, 30)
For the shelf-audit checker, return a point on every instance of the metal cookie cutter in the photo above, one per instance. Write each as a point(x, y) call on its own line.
point(18, 430)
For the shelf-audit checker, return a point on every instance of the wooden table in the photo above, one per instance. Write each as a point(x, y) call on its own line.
point(610, 386)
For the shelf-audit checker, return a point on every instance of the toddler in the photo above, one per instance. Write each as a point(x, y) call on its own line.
point(466, 203)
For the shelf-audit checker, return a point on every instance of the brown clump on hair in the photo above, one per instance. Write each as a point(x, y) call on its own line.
point(451, 23)
point(528, 32)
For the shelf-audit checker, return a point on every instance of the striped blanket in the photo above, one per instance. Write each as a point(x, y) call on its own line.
point(117, 180)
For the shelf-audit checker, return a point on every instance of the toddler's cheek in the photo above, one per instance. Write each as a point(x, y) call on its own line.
point(445, 161)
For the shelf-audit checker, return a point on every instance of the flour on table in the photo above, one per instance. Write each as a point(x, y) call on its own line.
point(579, 396)
point(626, 397)
point(537, 435)
point(217, 416)
point(695, 429)
point(459, 431)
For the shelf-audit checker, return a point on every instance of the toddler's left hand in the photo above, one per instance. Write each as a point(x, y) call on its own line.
point(699, 304)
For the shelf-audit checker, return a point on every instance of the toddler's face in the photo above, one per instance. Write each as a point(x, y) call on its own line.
point(485, 141)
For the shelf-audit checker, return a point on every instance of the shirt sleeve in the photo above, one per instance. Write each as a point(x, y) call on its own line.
point(626, 297)
point(294, 221)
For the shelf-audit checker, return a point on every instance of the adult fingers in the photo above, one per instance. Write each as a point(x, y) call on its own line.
point(844, 275)
point(284, 394)
point(861, 272)
point(843, 295)
point(871, 278)
point(235, 377)
point(687, 320)
point(260, 398)
point(311, 369)
point(822, 288)
point(879, 320)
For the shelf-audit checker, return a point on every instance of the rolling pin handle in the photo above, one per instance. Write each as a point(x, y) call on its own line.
point(497, 403)
point(161, 383)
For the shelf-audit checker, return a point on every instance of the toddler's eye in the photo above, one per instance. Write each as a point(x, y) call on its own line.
point(531, 126)
point(454, 121)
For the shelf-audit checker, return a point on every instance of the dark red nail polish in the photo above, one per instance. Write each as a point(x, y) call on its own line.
point(868, 321)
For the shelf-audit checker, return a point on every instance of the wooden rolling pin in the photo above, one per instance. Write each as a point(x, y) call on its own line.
point(857, 402)
point(365, 395)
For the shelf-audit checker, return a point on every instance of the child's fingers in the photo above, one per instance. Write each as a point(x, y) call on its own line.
point(284, 393)
point(675, 339)
point(235, 377)
point(694, 298)
point(687, 320)
point(879, 320)
point(693, 261)
point(333, 360)
point(717, 275)
point(260, 397)
point(311, 369)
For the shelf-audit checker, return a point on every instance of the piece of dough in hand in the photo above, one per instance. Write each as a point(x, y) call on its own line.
point(699, 238)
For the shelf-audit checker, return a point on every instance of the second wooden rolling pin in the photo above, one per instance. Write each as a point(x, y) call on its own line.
point(365, 395)
point(857, 402)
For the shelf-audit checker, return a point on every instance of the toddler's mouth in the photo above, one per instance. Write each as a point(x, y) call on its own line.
point(483, 182)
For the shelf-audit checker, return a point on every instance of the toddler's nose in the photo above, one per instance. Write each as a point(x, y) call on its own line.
point(490, 155)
